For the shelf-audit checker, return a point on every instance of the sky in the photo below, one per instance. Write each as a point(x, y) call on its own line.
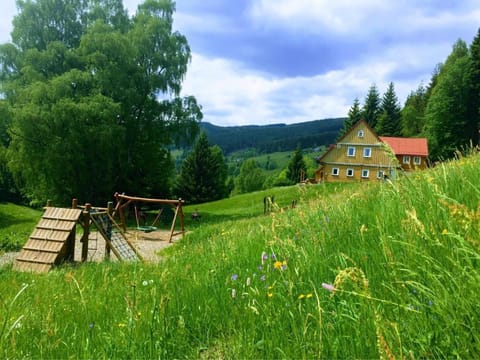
point(259, 62)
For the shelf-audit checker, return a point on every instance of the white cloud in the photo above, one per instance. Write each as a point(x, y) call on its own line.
point(362, 18)
point(234, 95)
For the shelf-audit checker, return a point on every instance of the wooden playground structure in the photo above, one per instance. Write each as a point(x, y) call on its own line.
point(52, 242)
point(123, 201)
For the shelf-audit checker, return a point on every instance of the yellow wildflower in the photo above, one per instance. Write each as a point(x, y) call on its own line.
point(309, 296)
point(277, 264)
point(444, 232)
point(301, 296)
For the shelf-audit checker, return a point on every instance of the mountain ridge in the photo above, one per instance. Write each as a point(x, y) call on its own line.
point(273, 137)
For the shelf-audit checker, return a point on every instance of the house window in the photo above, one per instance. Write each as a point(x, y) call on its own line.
point(361, 133)
point(349, 172)
point(335, 171)
point(380, 174)
point(367, 152)
point(417, 160)
point(406, 159)
point(351, 151)
point(365, 173)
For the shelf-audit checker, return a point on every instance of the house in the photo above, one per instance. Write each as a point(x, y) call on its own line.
point(362, 155)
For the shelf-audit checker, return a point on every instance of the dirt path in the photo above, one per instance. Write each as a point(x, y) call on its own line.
point(147, 244)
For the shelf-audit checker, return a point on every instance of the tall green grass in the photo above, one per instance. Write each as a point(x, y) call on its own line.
point(374, 270)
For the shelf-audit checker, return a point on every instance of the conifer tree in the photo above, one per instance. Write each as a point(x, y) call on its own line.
point(203, 175)
point(296, 166)
point(371, 107)
point(354, 115)
point(389, 121)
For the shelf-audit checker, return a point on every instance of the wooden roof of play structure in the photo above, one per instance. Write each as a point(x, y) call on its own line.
point(48, 242)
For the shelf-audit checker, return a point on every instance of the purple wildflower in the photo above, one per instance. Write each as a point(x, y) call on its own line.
point(274, 257)
point(234, 277)
point(328, 287)
point(264, 257)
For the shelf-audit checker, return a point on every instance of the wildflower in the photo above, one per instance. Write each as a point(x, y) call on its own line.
point(270, 294)
point(328, 287)
point(284, 265)
point(264, 257)
point(363, 229)
point(309, 296)
point(277, 264)
point(234, 277)
point(234, 293)
point(444, 232)
point(91, 325)
point(144, 282)
point(274, 257)
point(262, 278)
point(248, 281)
point(121, 324)
point(301, 296)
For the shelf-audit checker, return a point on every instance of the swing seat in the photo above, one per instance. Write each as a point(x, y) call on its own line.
point(147, 229)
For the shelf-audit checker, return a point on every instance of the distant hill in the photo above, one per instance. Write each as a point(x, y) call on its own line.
point(272, 138)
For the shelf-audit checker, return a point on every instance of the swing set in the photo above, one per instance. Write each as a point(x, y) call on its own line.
point(123, 201)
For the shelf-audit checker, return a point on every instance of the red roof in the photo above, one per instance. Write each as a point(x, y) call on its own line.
point(407, 146)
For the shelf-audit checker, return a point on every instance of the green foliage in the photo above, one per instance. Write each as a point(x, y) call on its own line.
point(203, 176)
point(371, 107)
point(451, 123)
point(354, 115)
point(413, 112)
point(82, 82)
point(297, 169)
point(389, 121)
point(251, 177)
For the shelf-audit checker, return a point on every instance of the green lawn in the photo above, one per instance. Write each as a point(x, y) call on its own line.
point(16, 224)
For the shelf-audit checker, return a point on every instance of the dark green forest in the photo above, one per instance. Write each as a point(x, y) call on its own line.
point(273, 138)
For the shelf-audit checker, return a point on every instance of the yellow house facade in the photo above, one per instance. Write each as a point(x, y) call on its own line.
point(360, 155)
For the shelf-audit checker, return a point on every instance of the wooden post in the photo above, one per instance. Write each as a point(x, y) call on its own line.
point(70, 245)
point(49, 203)
point(107, 246)
point(86, 231)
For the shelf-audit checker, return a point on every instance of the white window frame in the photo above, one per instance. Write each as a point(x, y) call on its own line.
point(350, 172)
point(365, 173)
point(380, 174)
point(406, 159)
point(417, 160)
point(361, 133)
point(352, 148)
point(369, 155)
point(335, 171)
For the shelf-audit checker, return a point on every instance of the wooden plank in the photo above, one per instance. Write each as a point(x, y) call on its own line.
point(37, 257)
point(31, 267)
point(39, 245)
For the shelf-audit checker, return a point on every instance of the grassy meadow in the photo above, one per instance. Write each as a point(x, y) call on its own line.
point(369, 270)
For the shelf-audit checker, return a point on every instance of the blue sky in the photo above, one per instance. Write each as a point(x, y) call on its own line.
point(288, 61)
